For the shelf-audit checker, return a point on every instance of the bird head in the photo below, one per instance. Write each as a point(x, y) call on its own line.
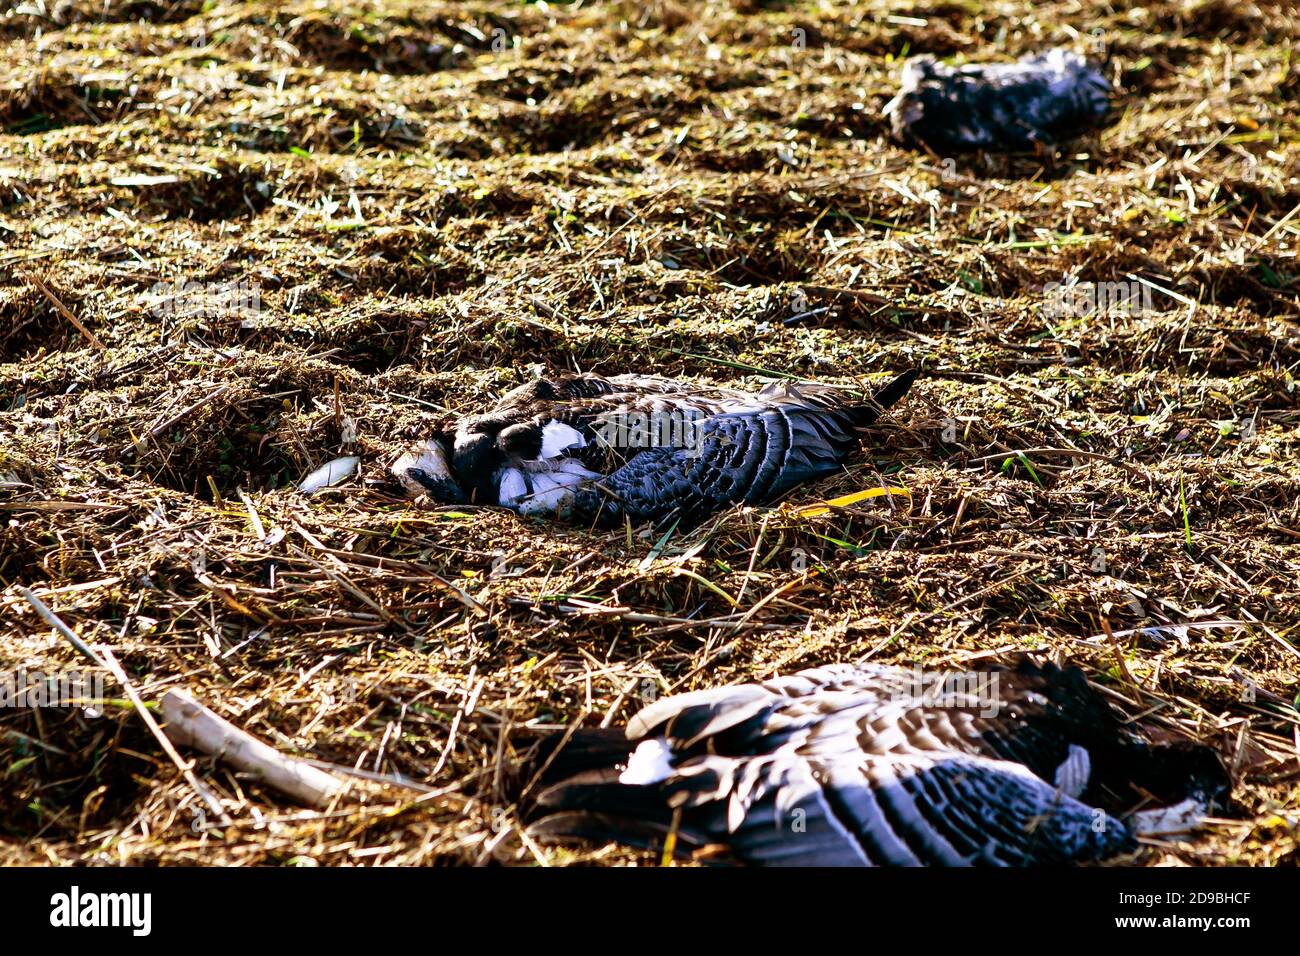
point(426, 470)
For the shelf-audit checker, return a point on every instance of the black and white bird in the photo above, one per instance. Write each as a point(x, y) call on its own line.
point(874, 765)
point(597, 450)
point(1030, 104)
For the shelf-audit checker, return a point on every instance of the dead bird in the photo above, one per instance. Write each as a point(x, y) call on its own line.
point(871, 765)
point(1031, 104)
point(597, 450)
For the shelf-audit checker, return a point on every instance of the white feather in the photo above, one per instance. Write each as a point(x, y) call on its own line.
point(513, 487)
point(550, 493)
point(330, 473)
point(651, 762)
point(1073, 773)
point(557, 438)
point(1180, 818)
point(572, 467)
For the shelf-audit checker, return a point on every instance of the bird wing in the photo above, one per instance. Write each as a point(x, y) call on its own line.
point(927, 810)
point(752, 451)
point(751, 455)
point(830, 767)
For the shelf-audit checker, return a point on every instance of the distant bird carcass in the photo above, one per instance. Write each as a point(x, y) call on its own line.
point(645, 448)
point(1031, 104)
point(875, 765)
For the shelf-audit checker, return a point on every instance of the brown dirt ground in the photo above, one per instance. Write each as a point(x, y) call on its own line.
point(435, 199)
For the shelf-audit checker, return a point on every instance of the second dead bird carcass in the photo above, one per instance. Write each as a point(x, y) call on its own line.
point(1032, 103)
point(872, 765)
point(597, 449)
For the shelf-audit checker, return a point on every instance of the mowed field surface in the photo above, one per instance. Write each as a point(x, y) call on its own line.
point(238, 240)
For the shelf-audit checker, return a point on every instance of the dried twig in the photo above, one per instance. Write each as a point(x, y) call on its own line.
point(104, 658)
point(191, 724)
point(64, 311)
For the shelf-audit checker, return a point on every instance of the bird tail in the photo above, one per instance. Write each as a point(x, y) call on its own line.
point(833, 399)
point(865, 414)
point(892, 393)
point(571, 794)
point(562, 755)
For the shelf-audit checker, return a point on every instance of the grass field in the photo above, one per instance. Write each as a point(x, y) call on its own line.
point(242, 239)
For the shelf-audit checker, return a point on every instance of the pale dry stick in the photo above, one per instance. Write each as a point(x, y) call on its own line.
point(1033, 393)
point(343, 581)
point(708, 662)
point(860, 294)
point(253, 517)
point(637, 617)
point(569, 731)
point(546, 310)
point(1129, 632)
point(763, 602)
point(383, 743)
point(794, 319)
point(191, 724)
point(1263, 692)
point(1119, 659)
point(104, 658)
point(461, 595)
point(1276, 226)
point(64, 311)
point(472, 691)
point(532, 848)
point(1284, 644)
point(1177, 296)
point(493, 842)
point(503, 730)
point(654, 199)
point(1290, 648)
point(618, 701)
point(753, 557)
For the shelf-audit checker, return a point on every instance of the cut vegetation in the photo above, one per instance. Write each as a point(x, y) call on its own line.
point(419, 204)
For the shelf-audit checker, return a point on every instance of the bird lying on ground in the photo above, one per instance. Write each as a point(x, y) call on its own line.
point(597, 450)
point(1029, 104)
point(874, 765)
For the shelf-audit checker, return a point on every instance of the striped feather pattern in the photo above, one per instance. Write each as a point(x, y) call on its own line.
point(849, 765)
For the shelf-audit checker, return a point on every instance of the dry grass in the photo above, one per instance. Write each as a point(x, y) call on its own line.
point(433, 199)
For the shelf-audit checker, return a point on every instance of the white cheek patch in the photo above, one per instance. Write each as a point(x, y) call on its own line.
point(557, 438)
point(428, 457)
point(513, 487)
